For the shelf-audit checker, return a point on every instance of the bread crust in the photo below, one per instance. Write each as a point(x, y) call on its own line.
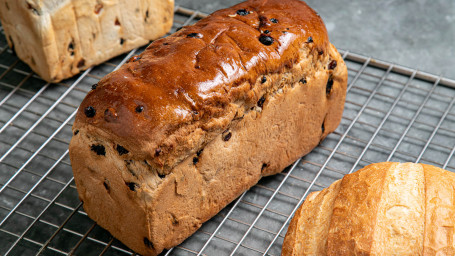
point(383, 209)
point(59, 39)
point(192, 84)
point(263, 127)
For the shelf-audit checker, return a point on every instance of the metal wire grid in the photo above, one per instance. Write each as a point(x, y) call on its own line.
point(391, 113)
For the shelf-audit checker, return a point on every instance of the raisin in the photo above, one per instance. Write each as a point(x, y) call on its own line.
point(322, 127)
point(329, 86)
point(273, 20)
point(264, 165)
point(194, 35)
point(131, 185)
point(106, 185)
point(321, 52)
point(117, 22)
point(76, 132)
point(98, 149)
point(195, 160)
point(147, 14)
point(266, 40)
point(309, 40)
point(263, 79)
point(227, 136)
point(139, 109)
point(71, 48)
point(303, 81)
point(121, 150)
point(162, 176)
point(261, 102)
point(122, 41)
point(81, 63)
point(242, 12)
point(157, 151)
point(94, 86)
point(333, 64)
point(199, 152)
point(89, 111)
point(148, 243)
point(266, 32)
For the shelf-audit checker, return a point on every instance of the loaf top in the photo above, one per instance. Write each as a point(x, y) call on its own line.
point(191, 78)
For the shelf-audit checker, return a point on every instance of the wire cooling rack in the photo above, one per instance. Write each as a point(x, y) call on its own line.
point(391, 113)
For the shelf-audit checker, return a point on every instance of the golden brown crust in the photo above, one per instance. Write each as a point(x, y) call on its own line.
point(439, 211)
point(59, 39)
point(194, 82)
point(383, 209)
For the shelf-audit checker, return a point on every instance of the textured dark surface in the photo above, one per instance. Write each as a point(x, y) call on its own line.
point(419, 34)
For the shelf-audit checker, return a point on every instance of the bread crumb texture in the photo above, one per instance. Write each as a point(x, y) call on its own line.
point(383, 209)
point(60, 38)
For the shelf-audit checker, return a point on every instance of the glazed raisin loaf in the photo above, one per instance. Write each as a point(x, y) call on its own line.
point(165, 142)
point(384, 209)
point(59, 38)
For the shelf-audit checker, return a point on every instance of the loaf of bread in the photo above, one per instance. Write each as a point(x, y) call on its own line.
point(384, 209)
point(58, 39)
point(177, 133)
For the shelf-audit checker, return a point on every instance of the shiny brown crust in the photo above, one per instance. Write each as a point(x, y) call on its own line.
point(194, 82)
point(384, 209)
point(152, 180)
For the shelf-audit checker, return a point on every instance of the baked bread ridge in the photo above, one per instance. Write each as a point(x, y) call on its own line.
point(189, 86)
point(383, 209)
point(148, 209)
point(59, 39)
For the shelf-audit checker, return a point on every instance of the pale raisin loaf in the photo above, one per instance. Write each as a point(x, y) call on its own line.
point(59, 38)
point(173, 136)
point(384, 209)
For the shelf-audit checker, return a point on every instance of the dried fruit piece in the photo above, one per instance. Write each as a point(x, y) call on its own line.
point(98, 149)
point(227, 136)
point(333, 64)
point(261, 101)
point(89, 111)
point(139, 109)
point(121, 150)
point(266, 40)
point(242, 12)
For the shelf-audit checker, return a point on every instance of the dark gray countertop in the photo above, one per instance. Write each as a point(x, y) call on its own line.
point(419, 34)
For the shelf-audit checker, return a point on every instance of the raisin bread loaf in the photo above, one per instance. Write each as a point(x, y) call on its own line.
point(384, 209)
point(165, 142)
point(58, 39)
